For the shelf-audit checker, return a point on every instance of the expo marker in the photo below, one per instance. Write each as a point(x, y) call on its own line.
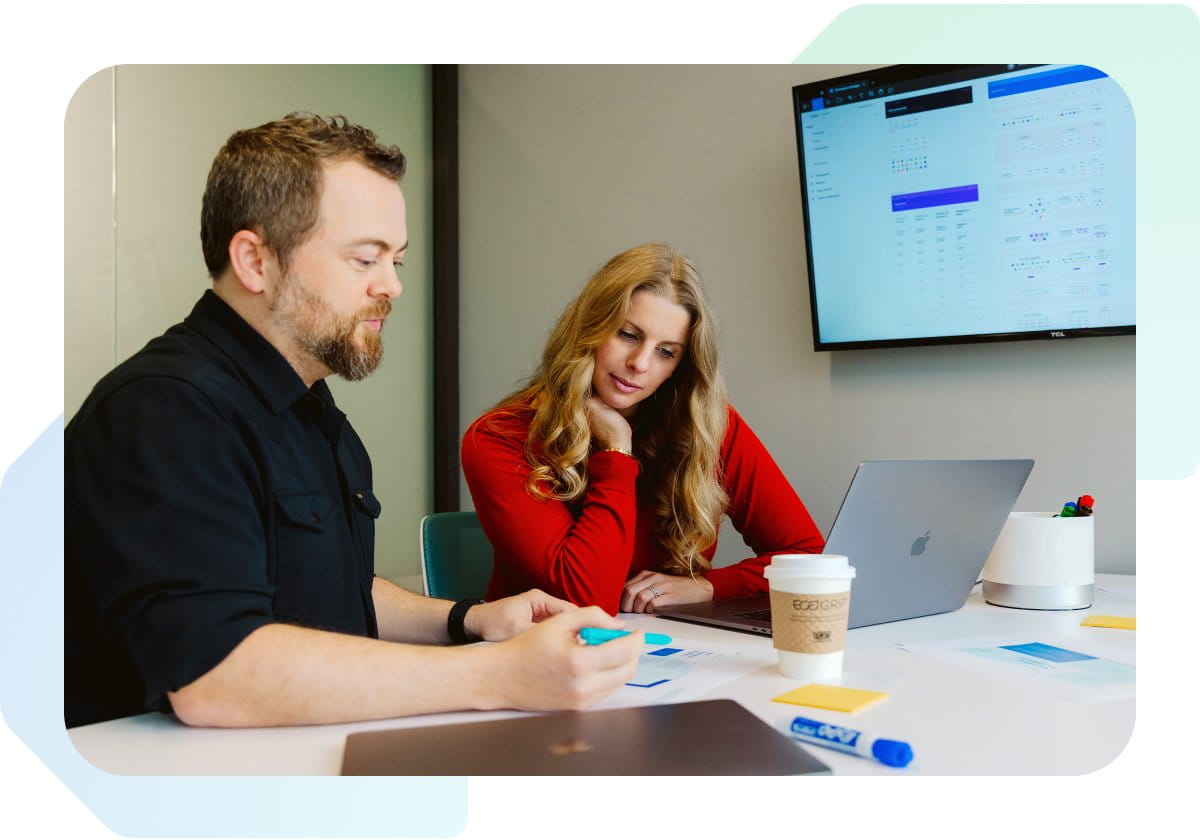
point(889, 752)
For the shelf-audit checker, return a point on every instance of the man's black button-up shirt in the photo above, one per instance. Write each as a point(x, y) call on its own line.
point(208, 493)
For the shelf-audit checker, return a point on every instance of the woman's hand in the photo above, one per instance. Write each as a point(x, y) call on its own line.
point(609, 429)
point(648, 590)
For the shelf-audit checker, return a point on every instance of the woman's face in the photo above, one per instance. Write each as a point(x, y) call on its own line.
point(642, 354)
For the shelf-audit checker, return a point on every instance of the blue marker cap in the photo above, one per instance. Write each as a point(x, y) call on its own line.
point(892, 753)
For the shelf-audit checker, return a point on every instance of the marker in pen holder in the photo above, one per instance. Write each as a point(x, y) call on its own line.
point(1042, 561)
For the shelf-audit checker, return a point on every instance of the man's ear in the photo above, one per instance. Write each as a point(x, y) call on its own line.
point(252, 261)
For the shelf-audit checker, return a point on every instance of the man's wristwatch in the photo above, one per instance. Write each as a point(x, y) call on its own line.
point(455, 622)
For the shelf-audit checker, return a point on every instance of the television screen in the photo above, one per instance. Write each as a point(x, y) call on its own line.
point(947, 204)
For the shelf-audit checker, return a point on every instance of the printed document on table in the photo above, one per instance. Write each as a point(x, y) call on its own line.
point(679, 672)
point(1076, 670)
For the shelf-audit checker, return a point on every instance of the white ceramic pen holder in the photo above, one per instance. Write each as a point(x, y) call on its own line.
point(1042, 562)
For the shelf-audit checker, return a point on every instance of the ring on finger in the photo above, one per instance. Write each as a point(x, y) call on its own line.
point(655, 591)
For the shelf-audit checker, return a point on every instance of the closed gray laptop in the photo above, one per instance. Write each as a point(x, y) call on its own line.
point(707, 737)
point(916, 532)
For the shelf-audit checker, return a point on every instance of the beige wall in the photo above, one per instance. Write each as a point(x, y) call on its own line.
point(565, 166)
point(139, 143)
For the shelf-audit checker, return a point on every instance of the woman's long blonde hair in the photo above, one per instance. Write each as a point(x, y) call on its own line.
point(678, 430)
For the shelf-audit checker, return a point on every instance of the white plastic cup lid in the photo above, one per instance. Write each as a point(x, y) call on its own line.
point(810, 565)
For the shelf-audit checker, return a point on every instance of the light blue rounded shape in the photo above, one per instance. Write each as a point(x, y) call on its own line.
point(31, 694)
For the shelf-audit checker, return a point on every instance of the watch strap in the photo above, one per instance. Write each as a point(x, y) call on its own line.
point(455, 622)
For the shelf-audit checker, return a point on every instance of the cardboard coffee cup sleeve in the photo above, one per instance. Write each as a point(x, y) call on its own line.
point(809, 623)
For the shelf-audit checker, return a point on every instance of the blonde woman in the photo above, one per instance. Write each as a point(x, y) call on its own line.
point(604, 480)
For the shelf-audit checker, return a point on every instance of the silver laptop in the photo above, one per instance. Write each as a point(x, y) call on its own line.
point(916, 532)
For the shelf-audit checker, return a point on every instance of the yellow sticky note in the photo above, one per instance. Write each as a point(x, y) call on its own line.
point(833, 697)
point(1118, 622)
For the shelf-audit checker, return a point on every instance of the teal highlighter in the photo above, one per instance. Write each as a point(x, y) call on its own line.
point(598, 636)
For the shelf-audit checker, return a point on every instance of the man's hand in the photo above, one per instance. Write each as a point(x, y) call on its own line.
point(283, 675)
point(647, 590)
point(547, 667)
point(499, 620)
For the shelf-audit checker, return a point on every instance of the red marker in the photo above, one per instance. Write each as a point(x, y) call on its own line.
point(1085, 505)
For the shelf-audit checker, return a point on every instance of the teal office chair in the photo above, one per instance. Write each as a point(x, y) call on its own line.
point(456, 557)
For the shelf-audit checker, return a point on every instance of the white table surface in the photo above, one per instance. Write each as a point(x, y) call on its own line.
point(958, 721)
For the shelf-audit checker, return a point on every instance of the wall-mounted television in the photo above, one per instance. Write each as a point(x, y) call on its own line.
point(946, 204)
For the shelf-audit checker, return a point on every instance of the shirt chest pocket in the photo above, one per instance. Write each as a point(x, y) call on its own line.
point(314, 564)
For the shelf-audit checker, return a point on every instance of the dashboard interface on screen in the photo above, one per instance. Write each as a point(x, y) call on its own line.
point(948, 204)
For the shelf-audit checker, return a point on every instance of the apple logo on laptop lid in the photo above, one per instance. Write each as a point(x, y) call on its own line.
point(918, 546)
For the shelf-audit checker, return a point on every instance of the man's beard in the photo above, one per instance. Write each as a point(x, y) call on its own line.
point(326, 336)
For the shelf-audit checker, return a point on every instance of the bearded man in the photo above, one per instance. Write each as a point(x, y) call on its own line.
point(220, 517)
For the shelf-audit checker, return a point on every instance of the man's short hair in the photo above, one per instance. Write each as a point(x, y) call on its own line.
point(268, 179)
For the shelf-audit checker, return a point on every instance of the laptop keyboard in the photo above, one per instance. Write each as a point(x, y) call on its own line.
point(756, 615)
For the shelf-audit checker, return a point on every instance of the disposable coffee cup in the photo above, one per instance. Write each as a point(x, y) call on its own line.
point(810, 607)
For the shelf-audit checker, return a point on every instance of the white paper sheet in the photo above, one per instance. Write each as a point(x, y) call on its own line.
point(679, 672)
point(1074, 669)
